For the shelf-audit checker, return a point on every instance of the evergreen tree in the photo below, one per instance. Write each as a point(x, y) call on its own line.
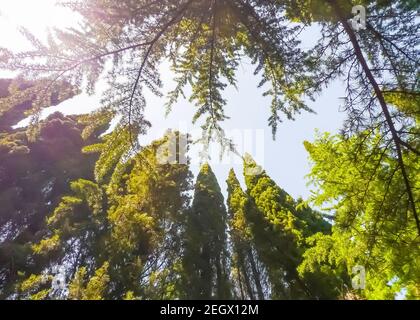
point(205, 260)
point(247, 271)
point(120, 238)
point(205, 42)
point(279, 225)
point(34, 174)
point(372, 225)
point(380, 68)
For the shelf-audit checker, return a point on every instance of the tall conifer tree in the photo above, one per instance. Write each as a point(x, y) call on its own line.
point(247, 271)
point(117, 238)
point(280, 225)
point(205, 258)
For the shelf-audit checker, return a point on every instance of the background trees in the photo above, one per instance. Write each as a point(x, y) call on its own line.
point(35, 172)
point(204, 42)
point(119, 238)
point(135, 234)
point(280, 226)
point(131, 232)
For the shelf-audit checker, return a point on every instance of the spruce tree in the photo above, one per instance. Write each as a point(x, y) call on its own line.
point(116, 239)
point(247, 271)
point(35, 171)
point(279, 226)
point(206, 268)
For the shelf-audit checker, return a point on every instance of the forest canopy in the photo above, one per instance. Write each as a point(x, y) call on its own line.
point(90, 212)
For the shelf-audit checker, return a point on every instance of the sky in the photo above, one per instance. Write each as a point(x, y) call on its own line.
point(284, 159)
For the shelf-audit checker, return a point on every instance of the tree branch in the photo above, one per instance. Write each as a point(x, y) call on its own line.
point(382, 102)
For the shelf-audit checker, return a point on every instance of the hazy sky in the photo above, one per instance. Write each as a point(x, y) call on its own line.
point(285, 159)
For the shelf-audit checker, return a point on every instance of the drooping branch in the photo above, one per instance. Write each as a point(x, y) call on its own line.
point(385, 110)
point(145, 59)
point(211, 62)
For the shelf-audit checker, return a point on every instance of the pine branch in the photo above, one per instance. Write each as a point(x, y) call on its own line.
point(380, 97)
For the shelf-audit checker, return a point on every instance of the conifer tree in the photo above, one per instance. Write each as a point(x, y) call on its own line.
point(116, 239)
point(372, 226)
point(380, 67)
point(279, 225)
point(205, 42)
point(205, 260)
point(34, 174)
point(247, 271)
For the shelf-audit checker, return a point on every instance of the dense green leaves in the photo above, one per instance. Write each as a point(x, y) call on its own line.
point(205, 257)
point(120, 233)
point(34, 174)
point(120, 238)
point(280, 226)
point(374, 225)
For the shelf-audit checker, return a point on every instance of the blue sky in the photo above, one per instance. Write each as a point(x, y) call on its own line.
point(284, 159)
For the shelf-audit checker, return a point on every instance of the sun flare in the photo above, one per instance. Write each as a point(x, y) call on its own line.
point(35, 15)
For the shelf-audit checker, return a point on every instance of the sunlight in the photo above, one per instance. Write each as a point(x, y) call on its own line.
point(35, 15)
point(139, 159)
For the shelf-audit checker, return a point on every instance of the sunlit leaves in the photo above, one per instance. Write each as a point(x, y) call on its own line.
point(204, 40)
point(280, 226)
point(94, 289)
point(113, 150)
point(374, 225)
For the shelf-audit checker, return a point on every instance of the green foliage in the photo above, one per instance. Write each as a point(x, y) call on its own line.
point(34, 175)
point(20, 99)
point(280, 226)
point(205, 258)
point(374, 225)
point(113, 150)
point(406, 102)
point(247, 271)
point(94, 289)
point(125, 234)
point(123, 230)
point(139, 236)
